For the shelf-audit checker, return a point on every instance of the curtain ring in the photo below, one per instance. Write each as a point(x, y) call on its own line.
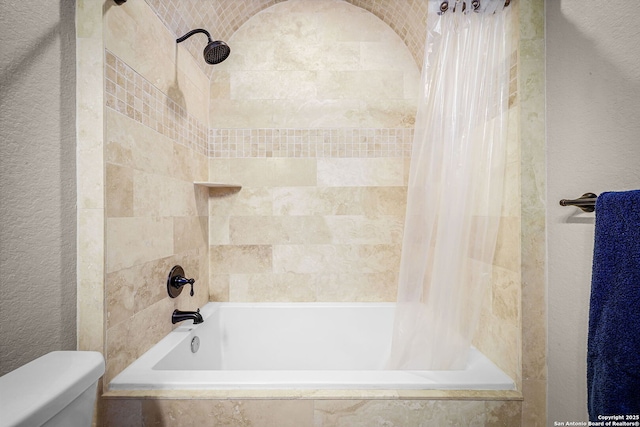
point(455, 6)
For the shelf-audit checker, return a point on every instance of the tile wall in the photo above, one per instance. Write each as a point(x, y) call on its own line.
point(222, 18)
point(155, 148)
point(90, 172)
point(307, 229)
point(316, 413)
point(294, 120)
point(533, 228)
point(328, 65)
point(130, 94)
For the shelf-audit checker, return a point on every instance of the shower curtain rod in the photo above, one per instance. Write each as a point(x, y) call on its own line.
point(586, 202)
point(475, 4)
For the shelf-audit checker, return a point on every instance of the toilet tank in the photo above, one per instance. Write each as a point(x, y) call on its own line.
point(57, 389)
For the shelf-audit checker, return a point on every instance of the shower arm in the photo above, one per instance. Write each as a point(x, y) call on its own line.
point(192, 32)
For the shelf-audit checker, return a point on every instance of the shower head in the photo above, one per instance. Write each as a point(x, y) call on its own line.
point(214, 52)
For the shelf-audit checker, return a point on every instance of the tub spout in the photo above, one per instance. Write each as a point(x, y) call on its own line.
point(179, 316)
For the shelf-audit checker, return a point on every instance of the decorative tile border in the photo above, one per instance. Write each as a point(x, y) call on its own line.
point(340, 142)
point(129, 93)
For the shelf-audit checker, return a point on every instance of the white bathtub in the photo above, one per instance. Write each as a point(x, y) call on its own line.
point(292, 346)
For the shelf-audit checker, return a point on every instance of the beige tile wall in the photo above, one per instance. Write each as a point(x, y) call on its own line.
point(90, 172)
point(314, 413)
point(319, 64)
point(222, 18)
point(533, 230)
point(155, 148)
point(306, 229)
point(295, 120)
point(129, 93)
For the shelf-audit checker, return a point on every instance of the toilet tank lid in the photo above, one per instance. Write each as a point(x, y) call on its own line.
point(33, 393)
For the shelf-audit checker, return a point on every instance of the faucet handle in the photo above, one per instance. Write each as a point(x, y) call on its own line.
point(179, 282)
point(176, 281)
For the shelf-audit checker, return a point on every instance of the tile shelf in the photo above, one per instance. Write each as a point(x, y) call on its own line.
point(217, 185)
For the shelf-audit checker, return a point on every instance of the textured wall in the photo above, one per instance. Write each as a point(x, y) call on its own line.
point(593, 105)
point(37, 180)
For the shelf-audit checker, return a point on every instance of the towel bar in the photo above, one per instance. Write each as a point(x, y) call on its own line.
point(586, 202)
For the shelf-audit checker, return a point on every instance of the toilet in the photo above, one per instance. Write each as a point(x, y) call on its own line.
point(56, 390)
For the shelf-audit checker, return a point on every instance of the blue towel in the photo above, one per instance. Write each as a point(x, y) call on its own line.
point(613, 353)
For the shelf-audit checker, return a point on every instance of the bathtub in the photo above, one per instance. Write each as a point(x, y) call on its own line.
point(255, 346)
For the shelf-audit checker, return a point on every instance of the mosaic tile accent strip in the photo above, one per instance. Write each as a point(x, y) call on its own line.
point(223, 17)
point(360, 143)
point(129, 93)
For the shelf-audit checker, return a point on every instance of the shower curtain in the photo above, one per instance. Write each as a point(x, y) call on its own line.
point(455, 184)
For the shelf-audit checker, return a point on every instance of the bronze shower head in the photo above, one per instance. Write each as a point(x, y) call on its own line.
point(214, 52)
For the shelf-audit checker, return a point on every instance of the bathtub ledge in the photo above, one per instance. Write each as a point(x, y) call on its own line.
point(484, 395)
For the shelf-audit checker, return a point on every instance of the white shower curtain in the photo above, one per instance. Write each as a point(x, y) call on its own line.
point(455, 185)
